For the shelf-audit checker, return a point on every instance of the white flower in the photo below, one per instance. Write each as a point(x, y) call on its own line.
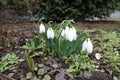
point(70, 33)
point(87, 45)
point(41, 28)
point(75, 33)
point(84, 46)
point(67, 33)
point(97, 56)
point(50, 33)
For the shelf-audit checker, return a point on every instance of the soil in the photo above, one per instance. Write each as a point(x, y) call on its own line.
point(20, 31)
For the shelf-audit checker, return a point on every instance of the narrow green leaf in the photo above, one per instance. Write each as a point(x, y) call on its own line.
point(30, 61)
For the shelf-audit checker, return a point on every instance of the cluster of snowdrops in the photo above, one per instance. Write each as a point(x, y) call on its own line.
point(67, 41)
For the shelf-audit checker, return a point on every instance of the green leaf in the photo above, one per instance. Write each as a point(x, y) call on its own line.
point(29, 75)
point(32, 46)
point(25, 47)
point(39, 46)
point(3, 65)
point(35, 78)
point(71, 69)
point(36, 40)
point(40, 71)
point(115, 78)
point(30, 61)
point(47, 77)
point(7, 60)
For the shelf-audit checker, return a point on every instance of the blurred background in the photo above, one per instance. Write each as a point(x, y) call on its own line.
point(58, 10)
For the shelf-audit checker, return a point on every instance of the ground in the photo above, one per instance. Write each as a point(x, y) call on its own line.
point(13, 34)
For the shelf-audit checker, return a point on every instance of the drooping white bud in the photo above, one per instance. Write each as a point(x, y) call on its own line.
point(87, 45)
point(75, 33)
point(71, 35)
point(50, 33)
point(84, 46)
point(41, 28)
point(67, 33)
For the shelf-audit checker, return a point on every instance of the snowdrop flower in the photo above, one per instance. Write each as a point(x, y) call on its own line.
point(87, 45)
point(67, 33)
point(70, 34)
point(97, 56)
point(74, 33)
point(90, 46)
point(50, 33)
point(41, 28)
point(84, 46)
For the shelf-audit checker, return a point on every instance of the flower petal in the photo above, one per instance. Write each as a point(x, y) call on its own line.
point(89, 46)
point(84, 46)
point(97, 56)
point(41, 28)
point(50, 33)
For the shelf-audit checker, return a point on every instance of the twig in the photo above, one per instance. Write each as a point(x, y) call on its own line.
point(30, 11)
